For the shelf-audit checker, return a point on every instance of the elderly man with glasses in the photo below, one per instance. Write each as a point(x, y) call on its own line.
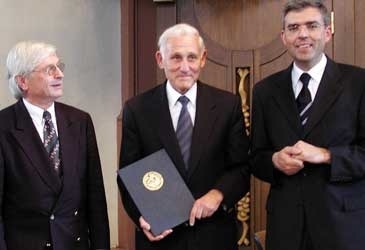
point(51, 186)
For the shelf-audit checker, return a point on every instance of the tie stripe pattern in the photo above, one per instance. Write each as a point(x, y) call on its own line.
point(304, 99)
point(184, 130)
point(51, 143)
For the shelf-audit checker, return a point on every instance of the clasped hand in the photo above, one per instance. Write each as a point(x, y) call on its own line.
point(290, 160)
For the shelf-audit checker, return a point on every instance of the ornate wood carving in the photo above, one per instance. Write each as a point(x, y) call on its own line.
point(243, 206)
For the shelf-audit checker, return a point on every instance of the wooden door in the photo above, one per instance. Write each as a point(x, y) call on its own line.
point(242, 38)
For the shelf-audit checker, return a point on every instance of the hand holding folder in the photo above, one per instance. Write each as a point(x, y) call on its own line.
point(158, 190)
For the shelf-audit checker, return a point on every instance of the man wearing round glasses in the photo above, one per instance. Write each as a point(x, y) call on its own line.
point(51, 185)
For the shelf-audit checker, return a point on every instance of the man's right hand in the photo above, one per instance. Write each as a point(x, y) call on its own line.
point(146, 229)
point(284, 160)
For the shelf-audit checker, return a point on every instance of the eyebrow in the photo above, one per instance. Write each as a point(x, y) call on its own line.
point(306, 23)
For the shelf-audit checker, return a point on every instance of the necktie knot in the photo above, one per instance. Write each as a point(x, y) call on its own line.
point(183, 100)
point(47, 116)
point(304, 78)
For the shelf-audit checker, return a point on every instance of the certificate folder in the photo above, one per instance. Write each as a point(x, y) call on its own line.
point(158, 190)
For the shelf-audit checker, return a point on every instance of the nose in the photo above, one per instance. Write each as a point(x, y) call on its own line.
point(184, 66)
point(303, 31)
point(59, 74)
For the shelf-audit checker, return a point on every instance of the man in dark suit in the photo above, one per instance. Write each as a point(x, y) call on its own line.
point(215, 166)
point(51, 185)
point(308, 140)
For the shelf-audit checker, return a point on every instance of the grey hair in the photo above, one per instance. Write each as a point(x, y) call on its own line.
point(178, 30)
point(297, 5)
point(22, 59)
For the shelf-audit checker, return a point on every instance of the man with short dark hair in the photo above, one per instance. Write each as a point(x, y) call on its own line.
point(308, 140)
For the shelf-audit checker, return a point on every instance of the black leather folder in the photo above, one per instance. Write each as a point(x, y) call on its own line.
point(158, 191)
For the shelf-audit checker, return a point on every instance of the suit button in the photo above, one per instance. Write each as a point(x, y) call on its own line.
point(76, 213)
point(186, 224)
point(304, 174)
point(78, 239)
point(48, 245)
point(52, 217)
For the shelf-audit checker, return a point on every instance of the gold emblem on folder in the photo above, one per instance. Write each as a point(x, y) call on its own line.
point(152, 181)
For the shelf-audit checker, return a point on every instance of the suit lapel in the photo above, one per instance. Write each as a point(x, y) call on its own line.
point(68, 134)
point(284, 97)
point(28, 138)
point(161, 114)
point(329, 89)
point(206, 115)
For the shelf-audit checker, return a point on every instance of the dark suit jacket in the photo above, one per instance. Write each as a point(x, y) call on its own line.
point(218, 160)
point(37, 207)
point(332, 196)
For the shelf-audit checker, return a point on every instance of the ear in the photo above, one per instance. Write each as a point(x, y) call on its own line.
point(283, 38)
point(159, 59)
point(328, 33)
point(203, 58)
point(22, 82)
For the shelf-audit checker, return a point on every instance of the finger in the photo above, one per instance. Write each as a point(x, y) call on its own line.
point(205, 213)
point(199, 212)
point(166, 232)
point(150, 236)
point(192, 216)
point(144, 224)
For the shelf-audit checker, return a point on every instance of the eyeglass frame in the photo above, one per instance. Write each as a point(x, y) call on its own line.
point(311, 27)
point(51, 69)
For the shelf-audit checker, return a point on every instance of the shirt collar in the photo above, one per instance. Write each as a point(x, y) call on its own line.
point(173, 95)
point(316, 72)
point(37, 113)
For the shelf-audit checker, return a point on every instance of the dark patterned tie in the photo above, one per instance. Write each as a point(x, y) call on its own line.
point(184, 130)
point(304, 99)
point(51, 143)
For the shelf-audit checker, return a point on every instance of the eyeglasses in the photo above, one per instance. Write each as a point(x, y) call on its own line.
point(311, 27)
point(52, 69)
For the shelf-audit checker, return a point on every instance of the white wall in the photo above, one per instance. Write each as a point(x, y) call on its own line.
point(87, 35)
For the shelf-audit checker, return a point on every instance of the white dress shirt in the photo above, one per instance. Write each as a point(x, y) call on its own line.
point(36, 113)
point(316, 73)
point(175, 106)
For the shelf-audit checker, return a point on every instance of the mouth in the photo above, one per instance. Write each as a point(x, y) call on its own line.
point(184, 76)
point(56, 85)
point(304, 46)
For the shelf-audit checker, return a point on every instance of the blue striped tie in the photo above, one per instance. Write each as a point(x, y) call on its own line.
point(184, 130)
point(304, 99)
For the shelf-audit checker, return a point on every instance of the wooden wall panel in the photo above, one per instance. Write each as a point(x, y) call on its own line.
point(344, 36)
point(227, 21)
point(217, 75)
point(359, 33)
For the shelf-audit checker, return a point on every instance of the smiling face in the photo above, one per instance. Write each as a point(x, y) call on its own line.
point(182, 60)
point(305, 36)
point(40, 88)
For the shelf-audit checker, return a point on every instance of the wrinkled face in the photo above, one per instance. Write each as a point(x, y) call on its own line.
point(44, 84)
point(182, 61)
point(305, 36)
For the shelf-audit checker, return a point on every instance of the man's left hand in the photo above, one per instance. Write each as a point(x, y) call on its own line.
point(312, 154)
point(206, 205)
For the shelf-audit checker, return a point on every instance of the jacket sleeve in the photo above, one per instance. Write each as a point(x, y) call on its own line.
point(97, 207)
point(261, 153)
point(347, 158)
point(2, 172)
point(236, 159)
point(130, 152)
